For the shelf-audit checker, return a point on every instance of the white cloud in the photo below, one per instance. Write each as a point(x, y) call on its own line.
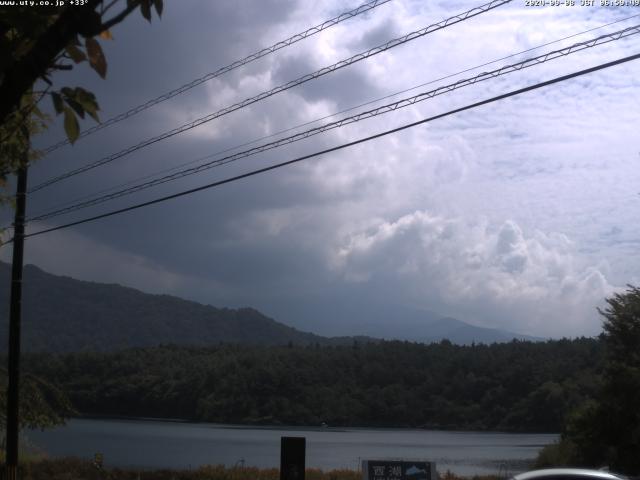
point(531, 283)
point(521, 214)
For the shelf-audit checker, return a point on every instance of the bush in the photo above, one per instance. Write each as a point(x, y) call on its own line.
point(558, 454)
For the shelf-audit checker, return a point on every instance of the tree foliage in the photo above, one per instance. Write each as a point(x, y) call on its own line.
point(37, 41)
point(517, 386)
point(14, 139)
point(605, 430)
point(42, 404)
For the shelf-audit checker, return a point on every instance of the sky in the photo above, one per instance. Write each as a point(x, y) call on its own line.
point(520, 215)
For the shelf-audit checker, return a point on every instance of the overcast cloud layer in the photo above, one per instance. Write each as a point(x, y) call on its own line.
point(520, 215)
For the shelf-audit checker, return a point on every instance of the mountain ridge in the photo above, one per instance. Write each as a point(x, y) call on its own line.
point(63, 314)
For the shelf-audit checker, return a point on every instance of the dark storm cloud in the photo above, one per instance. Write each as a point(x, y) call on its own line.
point(378, 35)
point(208, 41)
point(345, 87)
point(344, 241)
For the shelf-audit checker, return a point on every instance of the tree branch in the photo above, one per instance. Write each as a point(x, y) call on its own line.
point(118, 18)
point(42, 56)
point(35, 63)
point(105, 9)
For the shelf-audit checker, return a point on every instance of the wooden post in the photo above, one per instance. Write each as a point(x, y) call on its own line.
point(13, 401)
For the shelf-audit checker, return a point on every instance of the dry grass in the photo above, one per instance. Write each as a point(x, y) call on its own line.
point(77, 469)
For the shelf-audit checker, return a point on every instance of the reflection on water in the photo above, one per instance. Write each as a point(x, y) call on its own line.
point(162, 444)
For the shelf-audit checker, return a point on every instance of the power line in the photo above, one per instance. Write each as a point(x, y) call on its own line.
point(342, 146)
point(365, 7)
point(305, 78)
point(356, 106)
point(275, 134)
point(7, 242)
point(603, 39)
point(159, 172)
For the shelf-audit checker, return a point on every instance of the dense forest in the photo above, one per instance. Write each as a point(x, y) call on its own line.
point(516, 386)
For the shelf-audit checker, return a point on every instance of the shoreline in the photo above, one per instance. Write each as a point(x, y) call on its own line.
point(313, 428)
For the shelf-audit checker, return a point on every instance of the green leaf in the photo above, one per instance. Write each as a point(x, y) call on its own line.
point(159, 6)
point(76, 106)
point(25, 101)
point(82, 96)
point(75, 53)
point(57, 102)
point(38, 113)
point(23, 47)
point(71, 126)
point(88, 102)
point(81, 92)
point(145, 9)
point(94, 114)
point(96, 56)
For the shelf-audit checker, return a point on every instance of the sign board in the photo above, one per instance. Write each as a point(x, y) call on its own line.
point(292, 458)
point(398, 470)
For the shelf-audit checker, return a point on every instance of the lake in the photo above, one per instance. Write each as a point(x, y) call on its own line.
point(165, 444)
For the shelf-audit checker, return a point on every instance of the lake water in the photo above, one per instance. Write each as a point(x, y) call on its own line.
point(163, 444)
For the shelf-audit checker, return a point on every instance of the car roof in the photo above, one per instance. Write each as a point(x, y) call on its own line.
point(566, 472)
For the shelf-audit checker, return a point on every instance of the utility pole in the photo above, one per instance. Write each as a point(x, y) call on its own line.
point(13, 391)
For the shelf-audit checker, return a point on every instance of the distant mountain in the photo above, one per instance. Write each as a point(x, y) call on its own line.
point(401, 322)
point(463, 333)
point(61, 314)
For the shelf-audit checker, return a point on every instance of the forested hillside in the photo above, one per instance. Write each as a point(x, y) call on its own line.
point(62, 314)
point(513, 386)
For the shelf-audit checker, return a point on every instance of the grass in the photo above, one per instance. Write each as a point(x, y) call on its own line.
point(77, 469)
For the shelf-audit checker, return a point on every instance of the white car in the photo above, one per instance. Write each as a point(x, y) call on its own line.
point(568, 474)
